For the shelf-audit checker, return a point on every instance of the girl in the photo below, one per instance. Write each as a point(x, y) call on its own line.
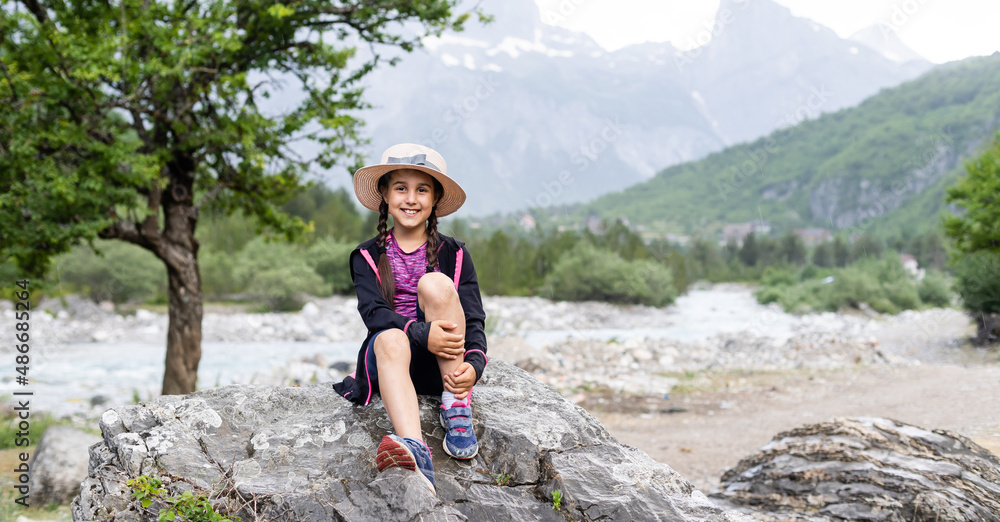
point(418, 294)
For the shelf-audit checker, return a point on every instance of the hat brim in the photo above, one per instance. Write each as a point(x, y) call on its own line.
point(366, 187)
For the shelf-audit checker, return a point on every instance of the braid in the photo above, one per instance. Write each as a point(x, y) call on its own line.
point(383, 218)
point(432, 241)
point(384, 267)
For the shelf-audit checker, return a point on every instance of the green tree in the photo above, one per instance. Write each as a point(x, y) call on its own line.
point(126, 120)
point(823, 255)
point(866, 246)
point(749, 253)
point(976, 237)
point(706, 261)
point(841, 253)
point(792, 250)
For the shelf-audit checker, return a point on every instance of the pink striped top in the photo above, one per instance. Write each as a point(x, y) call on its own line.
point(407, 269)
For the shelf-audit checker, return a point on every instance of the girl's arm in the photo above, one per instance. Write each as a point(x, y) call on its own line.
point(475, 316)
point(375, 311)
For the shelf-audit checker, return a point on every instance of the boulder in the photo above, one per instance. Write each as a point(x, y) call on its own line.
point(59, 465)
point(305, 453)
point(866, 469)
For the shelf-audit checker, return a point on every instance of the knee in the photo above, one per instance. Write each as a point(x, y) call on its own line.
point(392, 345)
point(436, 289)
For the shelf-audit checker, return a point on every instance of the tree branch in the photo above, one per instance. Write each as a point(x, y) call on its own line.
point(6, 75)
point(216, 190)
point(126, 230)
point(36, 9)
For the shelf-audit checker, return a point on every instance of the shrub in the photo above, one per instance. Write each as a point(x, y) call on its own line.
point(125, 272)
point(934, 290)
point(977, 281)
point(884, 285)
point(330, 259)
point(217, 273)
point(277, 274)
point(587, 273)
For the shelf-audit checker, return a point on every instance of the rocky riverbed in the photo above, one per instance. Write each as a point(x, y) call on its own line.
point(574, 347)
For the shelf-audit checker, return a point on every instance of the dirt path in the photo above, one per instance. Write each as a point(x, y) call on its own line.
point(718, 419)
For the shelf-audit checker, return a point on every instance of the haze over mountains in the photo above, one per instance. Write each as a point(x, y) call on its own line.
point(529, 114)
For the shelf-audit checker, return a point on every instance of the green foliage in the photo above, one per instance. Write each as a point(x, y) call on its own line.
point(218, 274)
point(976, 232)
point(587, 273)
point(977, 281)
point(557, 499)
point(277, 274)
point(502, 478)
point(146, 489)
point(934, 290)
point(223, 233)
point(884, 285)
point(331, 214)
point(329, 258)
point(867, 246)
point(122, 273)
point(188, 506)
point(40, 422)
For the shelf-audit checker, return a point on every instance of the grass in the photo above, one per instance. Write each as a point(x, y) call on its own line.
point(9, 427)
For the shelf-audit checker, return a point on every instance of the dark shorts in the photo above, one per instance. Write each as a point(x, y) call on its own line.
point(424, 370)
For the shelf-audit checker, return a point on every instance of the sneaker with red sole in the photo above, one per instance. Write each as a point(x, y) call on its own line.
point(403, 452)
point(459, 437)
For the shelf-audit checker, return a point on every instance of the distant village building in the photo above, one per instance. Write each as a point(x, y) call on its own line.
point(527, 222)
point(737, 231)
point(813, 236)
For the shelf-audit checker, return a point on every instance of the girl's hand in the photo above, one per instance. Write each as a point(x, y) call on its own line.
point(443, 342)
point(461, 380)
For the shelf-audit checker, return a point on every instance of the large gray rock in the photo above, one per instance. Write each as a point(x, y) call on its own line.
point(59, 465)
point(307, 454)
point(866, 469)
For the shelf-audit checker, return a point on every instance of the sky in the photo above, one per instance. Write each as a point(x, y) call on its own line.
point(938, 30)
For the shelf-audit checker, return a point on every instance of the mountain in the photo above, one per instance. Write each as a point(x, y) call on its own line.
point(532, 115)
point(885, 42)
point(882, 165)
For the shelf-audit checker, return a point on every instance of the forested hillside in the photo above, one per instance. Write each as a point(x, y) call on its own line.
point(881, 166)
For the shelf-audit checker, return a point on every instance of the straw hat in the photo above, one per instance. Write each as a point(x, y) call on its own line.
point(408, 156)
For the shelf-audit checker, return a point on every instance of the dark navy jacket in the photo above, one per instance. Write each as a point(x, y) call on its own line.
point(378, 315)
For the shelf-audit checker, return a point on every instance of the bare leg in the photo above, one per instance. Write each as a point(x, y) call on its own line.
point(392, 353)
point(439, 300)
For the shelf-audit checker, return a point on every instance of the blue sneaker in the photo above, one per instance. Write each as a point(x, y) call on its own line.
point(398, 452)
point(459, 437)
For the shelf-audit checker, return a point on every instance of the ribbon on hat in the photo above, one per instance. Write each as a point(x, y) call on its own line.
point(416, 159)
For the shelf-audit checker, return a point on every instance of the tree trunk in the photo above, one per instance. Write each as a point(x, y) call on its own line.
point(988, 329)
point(184, 329)
point(179, 251)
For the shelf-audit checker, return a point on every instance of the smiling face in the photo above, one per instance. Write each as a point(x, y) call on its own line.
point(411, 196)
